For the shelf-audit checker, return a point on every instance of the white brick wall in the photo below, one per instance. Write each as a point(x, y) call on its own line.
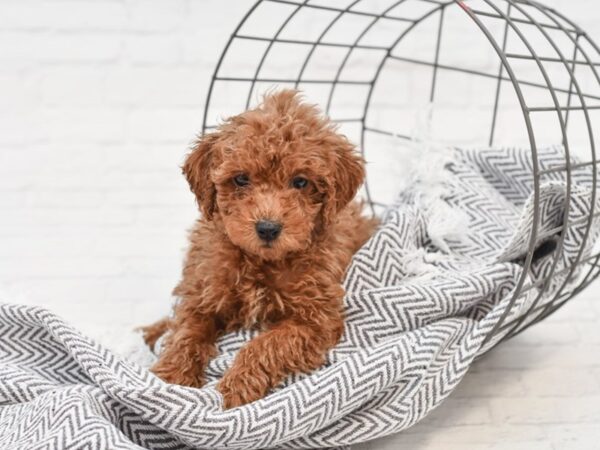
point(98, 102)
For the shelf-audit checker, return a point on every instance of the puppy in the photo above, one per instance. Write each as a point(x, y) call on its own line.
point(278, 229)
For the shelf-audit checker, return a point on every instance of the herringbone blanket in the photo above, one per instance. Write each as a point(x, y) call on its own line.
point(421, 297)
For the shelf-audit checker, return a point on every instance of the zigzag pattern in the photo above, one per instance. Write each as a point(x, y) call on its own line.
point(417, 316)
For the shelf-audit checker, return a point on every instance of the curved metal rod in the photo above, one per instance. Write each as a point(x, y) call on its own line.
point(533, 145)
point(499, 81)
point(321, 36)
point(336, 81)
point(376, 77)
point(592, 66)
point(575, 83)
point(594, 71)
point(221, 58)
point(558, 251)
point(436, 60)
point(268, 49)
point(356, 41)
point(346, 10)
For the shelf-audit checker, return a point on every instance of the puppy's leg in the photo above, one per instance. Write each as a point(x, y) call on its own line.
point(187, 350)
point(151, 333)
point(289, 347)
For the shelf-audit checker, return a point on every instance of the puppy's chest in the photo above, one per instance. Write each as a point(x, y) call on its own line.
point(262, 298)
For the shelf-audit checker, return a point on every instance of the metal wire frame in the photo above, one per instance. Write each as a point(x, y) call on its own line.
point(518, 17)
point(562, 121)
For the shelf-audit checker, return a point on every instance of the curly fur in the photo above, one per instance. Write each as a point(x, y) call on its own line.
point(290, 289)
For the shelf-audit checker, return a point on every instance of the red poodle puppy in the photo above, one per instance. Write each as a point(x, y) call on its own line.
point(278, 229)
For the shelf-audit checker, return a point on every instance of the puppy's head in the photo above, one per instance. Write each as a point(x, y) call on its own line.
point(275, 176)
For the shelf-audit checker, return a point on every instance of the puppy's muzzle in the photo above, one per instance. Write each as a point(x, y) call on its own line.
point(268, 230)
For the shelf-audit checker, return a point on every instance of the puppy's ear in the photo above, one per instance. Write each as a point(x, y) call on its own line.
point(196, 168)
point(348, 175)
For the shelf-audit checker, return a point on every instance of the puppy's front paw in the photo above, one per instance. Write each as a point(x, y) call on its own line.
point(174, 374)
point(240, 389)
point(152, 333)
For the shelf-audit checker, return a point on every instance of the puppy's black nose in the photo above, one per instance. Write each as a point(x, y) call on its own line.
point(268, 230)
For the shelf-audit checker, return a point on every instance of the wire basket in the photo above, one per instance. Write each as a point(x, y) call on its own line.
point(480, 72)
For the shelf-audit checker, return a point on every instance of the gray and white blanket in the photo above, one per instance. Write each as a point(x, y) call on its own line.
point(422, 295)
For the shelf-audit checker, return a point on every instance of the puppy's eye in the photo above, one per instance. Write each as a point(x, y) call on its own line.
point(241, 180)
point(299, 182)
